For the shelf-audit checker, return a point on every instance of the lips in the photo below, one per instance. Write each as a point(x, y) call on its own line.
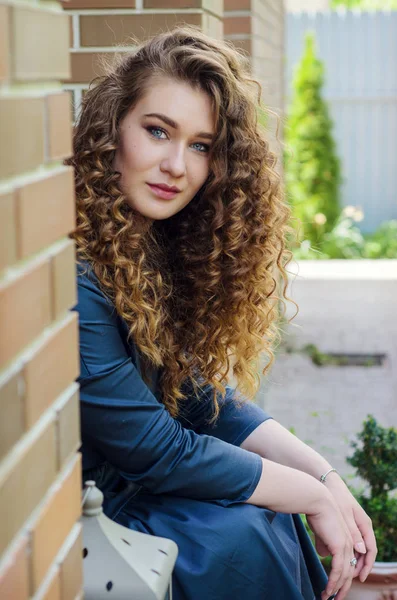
point(163, 192)
point(165, 187)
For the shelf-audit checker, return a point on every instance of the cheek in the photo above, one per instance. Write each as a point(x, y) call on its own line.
point(132, 152)
point(201, 174)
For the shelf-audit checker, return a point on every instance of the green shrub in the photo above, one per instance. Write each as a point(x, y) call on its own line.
point(366, 4)
point(375, 460)
point(383, 243)
point(346, 240)
point(312, 168)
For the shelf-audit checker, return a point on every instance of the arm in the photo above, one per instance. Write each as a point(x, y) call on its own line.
point(273, 441)
point(237, 417)
point(125, 424)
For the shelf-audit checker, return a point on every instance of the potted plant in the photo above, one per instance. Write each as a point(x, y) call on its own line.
point(375, 460)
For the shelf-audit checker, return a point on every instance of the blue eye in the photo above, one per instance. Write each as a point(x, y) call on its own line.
point(205, 146)
point(151, 129)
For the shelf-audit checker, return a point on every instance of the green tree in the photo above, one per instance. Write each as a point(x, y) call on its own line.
point(312, 168)
point(366, 4)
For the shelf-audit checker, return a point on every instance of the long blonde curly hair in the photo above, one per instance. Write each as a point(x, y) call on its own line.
point(198, 291)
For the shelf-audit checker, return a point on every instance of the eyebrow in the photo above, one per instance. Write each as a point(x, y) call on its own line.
point(174, 125)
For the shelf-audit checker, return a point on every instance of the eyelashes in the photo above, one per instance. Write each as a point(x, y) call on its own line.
point(152, 128)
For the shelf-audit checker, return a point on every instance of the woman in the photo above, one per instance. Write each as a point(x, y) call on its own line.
point(181, 245)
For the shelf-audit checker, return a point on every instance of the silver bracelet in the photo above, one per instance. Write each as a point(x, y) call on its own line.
point(323, 477)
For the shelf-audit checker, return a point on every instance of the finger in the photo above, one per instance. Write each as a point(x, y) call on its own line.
point(343, 571)
point(348, 570)
point(344, 590)
point(360, 565)
point(358, 540)
point(335, 574)
point(370, 556)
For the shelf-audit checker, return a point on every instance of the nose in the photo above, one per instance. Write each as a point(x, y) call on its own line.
point(174, 161)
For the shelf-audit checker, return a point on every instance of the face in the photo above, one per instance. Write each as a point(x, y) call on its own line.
point(165, 141)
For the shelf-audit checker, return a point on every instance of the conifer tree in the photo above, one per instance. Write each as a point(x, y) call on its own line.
point(312, 168)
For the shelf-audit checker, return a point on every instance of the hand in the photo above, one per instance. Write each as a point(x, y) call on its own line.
point(332, 536)
point(358, 523)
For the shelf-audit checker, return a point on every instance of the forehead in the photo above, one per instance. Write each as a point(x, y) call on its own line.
point(190, 107)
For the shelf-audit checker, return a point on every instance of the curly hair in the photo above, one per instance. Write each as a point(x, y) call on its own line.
point(199, 291)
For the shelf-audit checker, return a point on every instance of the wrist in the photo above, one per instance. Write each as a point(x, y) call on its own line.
point(334, 481)
point(323, 499)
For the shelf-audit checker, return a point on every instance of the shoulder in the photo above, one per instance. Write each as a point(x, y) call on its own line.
point(91, 298)
point(85, 274)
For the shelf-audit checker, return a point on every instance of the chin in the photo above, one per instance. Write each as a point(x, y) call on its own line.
point(157, 211)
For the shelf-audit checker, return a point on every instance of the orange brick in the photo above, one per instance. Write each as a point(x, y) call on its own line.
point(4, 42)
point(110, 30)
point(52, 368)
point(25, 483)
point(234, 25)
point(55, 522)
point(68, 427)
point(53, 197)
point(25, 309)
point(98, 4)
point(245, 45)
point(52, 590)
point(237, 5)
point(63, 279)
point(34, 33)
point(20, 152)
point(87, 65)
point(11, 409)
point(14, 577)
point(8, 236)
point(72, 568)
point(59, 125)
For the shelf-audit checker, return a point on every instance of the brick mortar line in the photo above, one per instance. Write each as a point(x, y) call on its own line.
point(76, 30)
point(16, 181)
point(59, 558)
point(32, 435)
point(236, 13)
point(23, 532)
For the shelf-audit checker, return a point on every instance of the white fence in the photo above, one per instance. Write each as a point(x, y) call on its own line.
point(359, 51)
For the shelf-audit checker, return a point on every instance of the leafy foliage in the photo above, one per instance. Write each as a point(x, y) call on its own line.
point(366, 4)
point(312, 168)
point(345, 240)
point(375, 460)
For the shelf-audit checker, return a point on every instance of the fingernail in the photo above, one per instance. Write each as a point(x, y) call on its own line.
point(360, 547)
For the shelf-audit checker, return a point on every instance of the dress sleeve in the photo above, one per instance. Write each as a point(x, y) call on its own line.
point(238, 417)
point(128, 427)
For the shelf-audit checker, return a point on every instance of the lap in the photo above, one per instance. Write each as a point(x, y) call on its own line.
point(226, 551)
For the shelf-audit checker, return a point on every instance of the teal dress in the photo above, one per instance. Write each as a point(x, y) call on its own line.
point(182, 478)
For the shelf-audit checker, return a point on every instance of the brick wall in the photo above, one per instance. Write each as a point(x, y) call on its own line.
point(40, 471)
point(257, 26)
point(100, 27)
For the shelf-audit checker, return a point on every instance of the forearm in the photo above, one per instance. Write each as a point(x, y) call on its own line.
point(273, 441)
point(288, 490)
